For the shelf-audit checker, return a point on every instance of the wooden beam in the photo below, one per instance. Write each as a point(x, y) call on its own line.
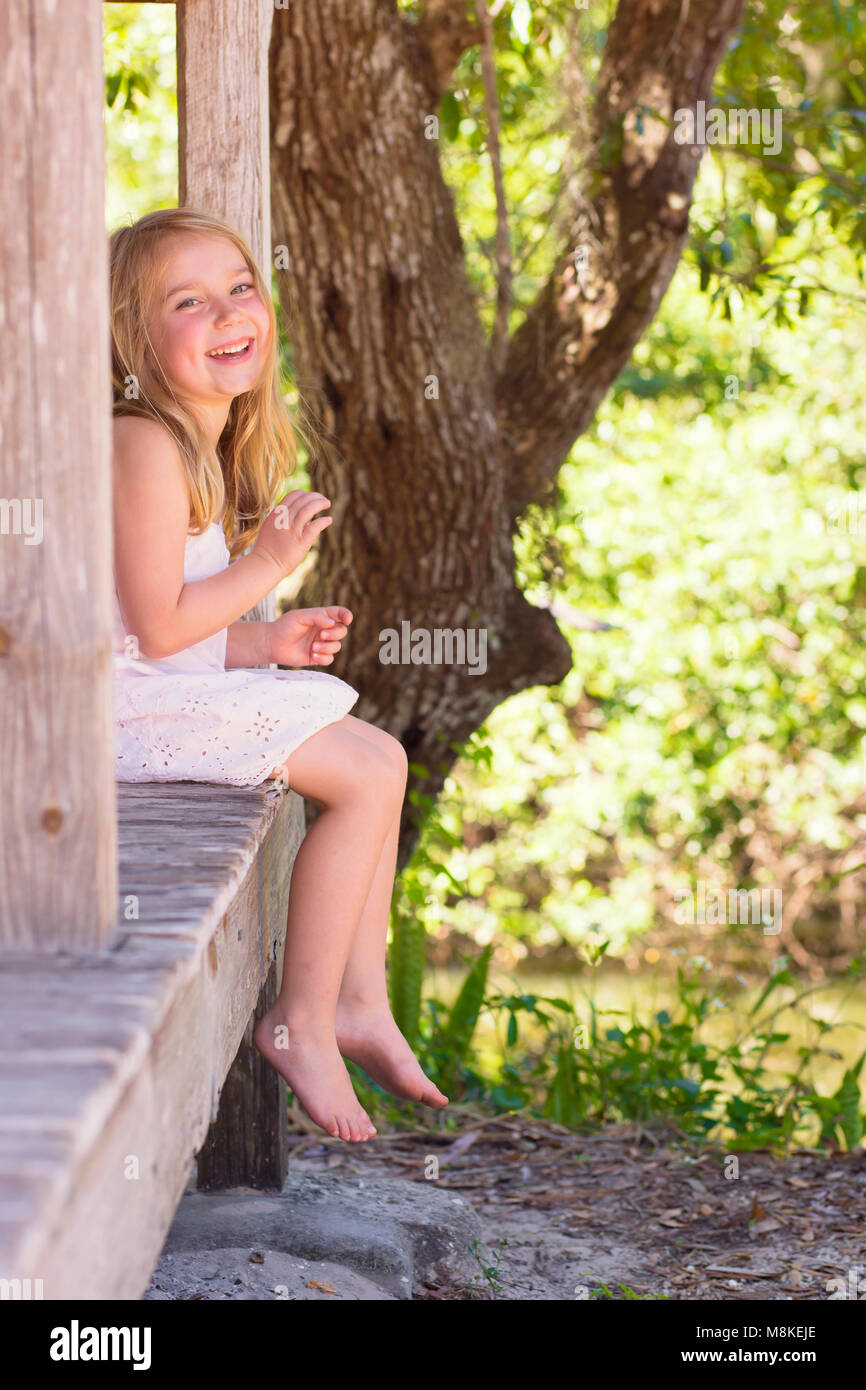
point(248, 1143)
point(58, 844)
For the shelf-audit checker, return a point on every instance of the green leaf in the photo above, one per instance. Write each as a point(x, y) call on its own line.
point(458, 1031)
point(406, 973)
point(848, 1098)
point(449, 115)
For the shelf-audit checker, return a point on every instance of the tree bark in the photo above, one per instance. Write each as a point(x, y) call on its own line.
point(427, 454)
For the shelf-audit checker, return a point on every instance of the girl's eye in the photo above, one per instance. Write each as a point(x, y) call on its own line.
point(244, 285)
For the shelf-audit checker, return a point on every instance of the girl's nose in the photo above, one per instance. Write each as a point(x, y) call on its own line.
point(227, 311)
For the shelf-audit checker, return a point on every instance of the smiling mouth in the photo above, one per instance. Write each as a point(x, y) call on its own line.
point(232, 352)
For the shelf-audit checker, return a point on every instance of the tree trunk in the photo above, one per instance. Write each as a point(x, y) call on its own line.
point(428, 457)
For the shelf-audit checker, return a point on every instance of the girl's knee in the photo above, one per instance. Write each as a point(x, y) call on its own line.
point(375, 773)
point(398, 756)
point(392, 746)
point(335, 767)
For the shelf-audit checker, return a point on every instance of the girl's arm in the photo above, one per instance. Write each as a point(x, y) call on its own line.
point(151, 517)
point(248, 644)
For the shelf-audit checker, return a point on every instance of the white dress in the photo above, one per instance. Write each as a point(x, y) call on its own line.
point(186, 718)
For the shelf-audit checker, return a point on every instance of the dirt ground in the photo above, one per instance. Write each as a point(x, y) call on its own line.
point(644, 1214)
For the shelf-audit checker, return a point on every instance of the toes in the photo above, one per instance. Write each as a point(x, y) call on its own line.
point(365, 1127)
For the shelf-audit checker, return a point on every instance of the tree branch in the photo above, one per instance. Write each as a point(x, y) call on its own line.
point(439, 36)
point(629, 227)
point(499, 338)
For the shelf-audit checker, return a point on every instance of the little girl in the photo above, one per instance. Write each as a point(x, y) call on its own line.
point(201, 447)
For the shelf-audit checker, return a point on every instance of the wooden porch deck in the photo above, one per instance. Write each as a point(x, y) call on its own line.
point(112, 1063)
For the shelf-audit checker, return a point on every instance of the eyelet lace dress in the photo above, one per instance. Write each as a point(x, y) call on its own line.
point(186, 718)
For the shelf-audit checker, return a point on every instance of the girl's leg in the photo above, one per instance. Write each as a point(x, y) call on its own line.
point(366, 1030)
point(359, 793)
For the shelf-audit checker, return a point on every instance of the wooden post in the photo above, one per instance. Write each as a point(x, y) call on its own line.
point(222, 106)
point(58, 837)
point(247, 1144)
point(223, 131)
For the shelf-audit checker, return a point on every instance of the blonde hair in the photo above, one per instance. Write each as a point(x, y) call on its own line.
point(239, 481)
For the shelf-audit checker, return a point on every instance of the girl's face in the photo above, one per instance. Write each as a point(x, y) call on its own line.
point(209, 326)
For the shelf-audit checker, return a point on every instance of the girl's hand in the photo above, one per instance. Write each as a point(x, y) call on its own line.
point(288, 531)
point(308, 636)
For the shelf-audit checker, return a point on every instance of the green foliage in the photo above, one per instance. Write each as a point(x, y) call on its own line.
point(406, 973)
point(456, 1035)
point(488, 1282)
point(141, 109)
point(768, 225)
point(563, 1101)
point(716, 729)
point(673, 1069)
point(628, 1294)
point(841, 1120)
point(577, 1066)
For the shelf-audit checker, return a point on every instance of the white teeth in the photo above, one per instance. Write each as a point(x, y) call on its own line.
point(230, 352)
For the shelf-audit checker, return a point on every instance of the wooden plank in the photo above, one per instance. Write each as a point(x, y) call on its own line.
point(223, 129)
point(58, 875)
point(247, 1145)
point(95, 1152)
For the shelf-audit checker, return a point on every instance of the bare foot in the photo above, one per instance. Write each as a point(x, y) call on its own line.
point(317, 1075)
point(371, 1038)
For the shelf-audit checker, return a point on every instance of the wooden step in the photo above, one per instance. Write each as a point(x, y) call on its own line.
point(112, 1064)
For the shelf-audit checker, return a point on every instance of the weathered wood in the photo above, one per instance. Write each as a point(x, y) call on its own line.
point(111, 1065)
point(222, 98)
point(58, 873)
point(247, 1145)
